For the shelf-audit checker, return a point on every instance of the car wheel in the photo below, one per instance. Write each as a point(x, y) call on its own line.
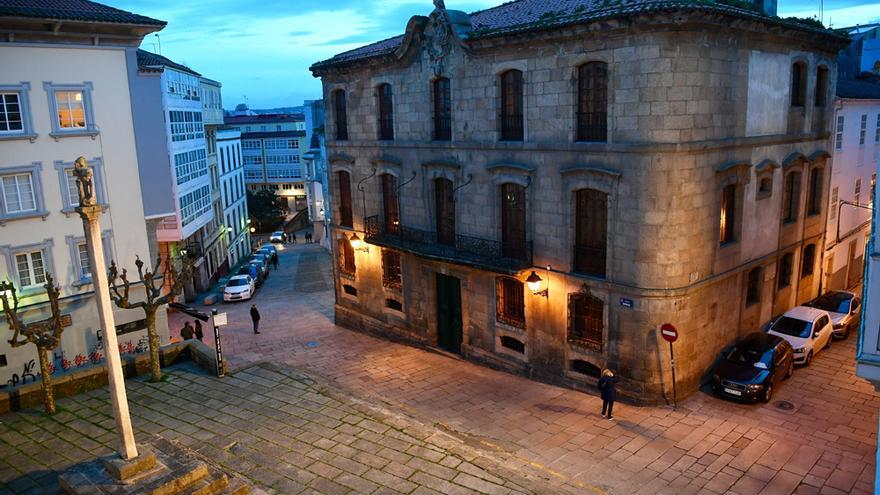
point(768, 393)
point(808, 359)
point(790, 370)
point(828, 344)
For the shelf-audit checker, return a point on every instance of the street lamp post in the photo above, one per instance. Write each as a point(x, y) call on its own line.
point(90, 213)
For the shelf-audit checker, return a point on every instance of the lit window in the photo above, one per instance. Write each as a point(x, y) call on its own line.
point(70, 108)
point(728, 214)
point(838, 134)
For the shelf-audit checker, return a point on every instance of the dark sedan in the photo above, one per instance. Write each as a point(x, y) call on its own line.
point(753, 367)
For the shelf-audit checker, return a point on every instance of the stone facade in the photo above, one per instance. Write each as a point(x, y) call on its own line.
point(693, 105)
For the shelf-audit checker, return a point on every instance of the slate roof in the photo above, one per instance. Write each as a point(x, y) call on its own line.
point(264, 118)
point(73, 10)
point(534, 15)
point(858, 90)
point(151, 61)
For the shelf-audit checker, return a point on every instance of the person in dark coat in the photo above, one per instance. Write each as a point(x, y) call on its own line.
point(199, 333)
point(607, 385)
point(275, 261)
point(293, 237)
point(186, 333)
point(255, 317)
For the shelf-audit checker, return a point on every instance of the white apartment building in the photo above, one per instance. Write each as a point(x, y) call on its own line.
point(65, 92)
point(233, 197)
point(855, 153)
point(214, 241)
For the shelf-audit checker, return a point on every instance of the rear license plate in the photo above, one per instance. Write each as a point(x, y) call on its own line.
point(732, 391)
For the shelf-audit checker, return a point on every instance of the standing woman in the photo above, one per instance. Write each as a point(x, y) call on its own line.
point(607, 385)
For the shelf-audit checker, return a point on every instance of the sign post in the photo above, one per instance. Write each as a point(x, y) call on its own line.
point(216, 321)
point(670, 334)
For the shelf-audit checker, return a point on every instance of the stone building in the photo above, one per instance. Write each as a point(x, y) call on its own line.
point(539, 186)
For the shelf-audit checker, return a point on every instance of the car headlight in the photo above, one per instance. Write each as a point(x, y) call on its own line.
point(800, 350)
point(755, 386)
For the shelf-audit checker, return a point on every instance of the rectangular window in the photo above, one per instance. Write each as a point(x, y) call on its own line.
point(18, 193)
point(728, 214)
point(821, 86)
point(71, 113)
point(391, 214)
point(591, 230)
point(31, 269)
point(386, 113)
point(10, 113)
point(442, 110)
point(513, 221)
point(798, 84)
point(345, 216)
point(341, 115)
point(391, 276)
point(509, 302)
point(791, 195)
point(346, 257)
point(586, 323)
point(186, 126)
point(512, 106)
point(444, 210)
point(85, 267)
point(250, 144)
point(809, 260)
point(72, 188)
point(190, 165)
point(592, 116)
point(753, 288)
point(863, 129)
point(785, 271)
point(834, 198)
point(814, 201)
point(838, 135)
point(194, 205)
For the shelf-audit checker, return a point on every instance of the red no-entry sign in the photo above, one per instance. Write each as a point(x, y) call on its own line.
point(669, 333)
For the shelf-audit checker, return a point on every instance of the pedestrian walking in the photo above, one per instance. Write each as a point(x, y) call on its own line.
point(275, 261)
point(607, 385)
point(293, 237)
point(199, 333)
point(255, 317)
point(309, 237)
point(186, 333)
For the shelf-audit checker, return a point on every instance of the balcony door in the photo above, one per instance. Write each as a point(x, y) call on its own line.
point(445, 211)
point(389, 204)
point(513, 221)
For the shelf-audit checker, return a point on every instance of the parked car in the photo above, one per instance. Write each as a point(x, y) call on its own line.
point(263, 256)
point(808, 330)
point(271, 253)
point(754, 366)
point(277, 236)
point(844, 308)
point(254, 271)
point(239, 288)
point(261, 265)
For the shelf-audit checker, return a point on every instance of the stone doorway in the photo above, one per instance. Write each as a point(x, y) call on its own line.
point(449, 334)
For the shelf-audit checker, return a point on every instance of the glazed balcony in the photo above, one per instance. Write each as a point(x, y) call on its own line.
point(461, 249)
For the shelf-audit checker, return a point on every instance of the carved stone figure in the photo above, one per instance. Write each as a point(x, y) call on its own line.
point(85, 182)
point(439, 4)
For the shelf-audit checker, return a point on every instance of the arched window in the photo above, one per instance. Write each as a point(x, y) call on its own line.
point(509, 301)
point(798, 84)
point(512, 106)
point(821, 86)
point(814, 198)
point(791, 197)
point(390, 207)
point(386, 112)
point(344, 180)
point(592, 111)
point(586, 322)
point(513, 221)
point(785, 270)
point(591, 231)
point(341, 114)
point(442, 110)
point(809, 260)
point(444, 203)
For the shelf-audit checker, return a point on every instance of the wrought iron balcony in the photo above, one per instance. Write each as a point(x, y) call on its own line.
point(466, 250)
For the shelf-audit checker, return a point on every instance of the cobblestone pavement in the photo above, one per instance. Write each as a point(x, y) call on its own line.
point(550, 435)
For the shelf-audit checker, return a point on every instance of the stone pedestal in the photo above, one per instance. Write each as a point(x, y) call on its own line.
point(161, 468)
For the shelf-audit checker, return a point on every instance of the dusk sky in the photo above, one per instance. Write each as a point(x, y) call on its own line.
point(261, 49)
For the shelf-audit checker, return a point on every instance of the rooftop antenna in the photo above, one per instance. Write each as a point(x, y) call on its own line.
point(822, 11)
point(158, 43)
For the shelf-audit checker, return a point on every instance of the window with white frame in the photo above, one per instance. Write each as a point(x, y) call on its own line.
point(838, 136)
point(283, 173)
point(11, 120)
point(71, 109)
point(281, 159)
point(183, 86)
point(190, 165)
point(250, 144)
point(30, 268)
point(186, 125)
point(253, 160)
point(863, 128)
point(253, 174)
point(194, 205)
point(85, 268)
point(72, 188)
point(18, 193)
point(834, 197)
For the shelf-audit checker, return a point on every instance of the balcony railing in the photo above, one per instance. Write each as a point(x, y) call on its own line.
point(470, 251)
point(511, 127)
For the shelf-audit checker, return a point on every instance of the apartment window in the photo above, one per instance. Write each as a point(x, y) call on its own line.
point(728, 214)
point(19, 195)
point(838, 133)
point(877, 130)
point(71, 112)
point(512, 106)
point(31, 269)
point(386, 113)
point(834, 198)
point(863, 129)
point(814, 201)
point(444, 202)
point(442, 110)
point(791, 196)
point(344, 180)
point(391, 276)
point(346, 257)
point(11, 119)
point(509, 302)
point(586, 320)
point(785, 270)
point(753, 286)
point(250, 144)
point(341, 115)
point(809, 260)
point(85, 269)
point(592, 112)
point(278, 128)
point(190, 165)
point(798, 84)
point(186, 126)
point(389, 204)
point(513, 221)
point(591, 232)
point(821, 86)
point(195, 204)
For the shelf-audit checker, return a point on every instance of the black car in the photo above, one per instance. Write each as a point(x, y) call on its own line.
point(753, 367)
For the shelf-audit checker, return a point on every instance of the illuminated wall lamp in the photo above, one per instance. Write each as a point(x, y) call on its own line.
point(534, 283)
point(357, 244)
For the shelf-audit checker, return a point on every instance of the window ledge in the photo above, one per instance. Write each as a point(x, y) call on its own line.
point(9, 137)
point(92, 133)
point(507, 327)
point(23, 216)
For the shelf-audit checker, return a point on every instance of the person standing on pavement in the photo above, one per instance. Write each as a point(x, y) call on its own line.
point(293, 237)
point(275, 261)
point(255, 317)
point(186, 333)
point(607, 385)
point(199, 333)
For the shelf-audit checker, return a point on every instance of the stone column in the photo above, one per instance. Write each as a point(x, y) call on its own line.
point(90, 212)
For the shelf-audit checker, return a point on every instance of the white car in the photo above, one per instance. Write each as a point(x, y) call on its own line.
point(277, 236)
point(239, 288)
point(808, 330)
point(844, 308)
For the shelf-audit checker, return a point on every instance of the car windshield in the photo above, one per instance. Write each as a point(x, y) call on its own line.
point(237, 282)
point(792, 326)
point(835, 302)
point(751, 356)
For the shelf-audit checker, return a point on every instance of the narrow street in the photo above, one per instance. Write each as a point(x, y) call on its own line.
point(817, 436)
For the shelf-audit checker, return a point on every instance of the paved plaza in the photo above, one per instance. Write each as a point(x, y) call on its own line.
point(315, 408)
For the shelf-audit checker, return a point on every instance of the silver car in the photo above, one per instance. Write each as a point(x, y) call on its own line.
point(844, 308)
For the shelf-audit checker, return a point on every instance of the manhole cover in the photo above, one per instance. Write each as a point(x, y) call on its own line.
point(315, 344)
point(784, 405)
